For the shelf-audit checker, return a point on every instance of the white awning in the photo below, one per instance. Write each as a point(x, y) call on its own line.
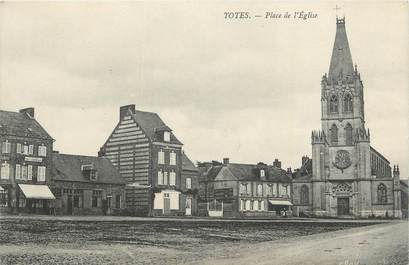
point(40, 192)
point(280, 202)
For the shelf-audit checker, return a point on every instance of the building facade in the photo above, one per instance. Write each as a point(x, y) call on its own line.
point(244, 190)
point(346, 176)
point(149, 157)
point(189, 185)
point(86, 185)
point(25, 159)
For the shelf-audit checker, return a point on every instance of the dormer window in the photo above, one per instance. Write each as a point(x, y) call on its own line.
point(89, 172)
point(166, 136)
point(262, 173)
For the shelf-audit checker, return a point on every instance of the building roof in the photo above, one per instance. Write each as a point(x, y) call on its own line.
point(187, 164)
point(21, 124)
point(341, 59)
point(304, 172)
point(249, 172)
point(151, 124)
point(68, 168)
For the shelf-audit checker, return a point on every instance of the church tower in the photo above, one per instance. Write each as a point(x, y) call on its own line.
point(341, 149)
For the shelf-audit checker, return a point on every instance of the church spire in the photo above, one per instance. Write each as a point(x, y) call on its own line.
point(341, 59)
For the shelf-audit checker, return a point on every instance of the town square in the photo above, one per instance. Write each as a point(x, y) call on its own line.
point(129, 135)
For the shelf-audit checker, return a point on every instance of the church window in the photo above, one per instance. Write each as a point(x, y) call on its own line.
point(348, 134)
point(333, 104)
point(382, 195)
point(348, 103)
point(334, 134)
point(304, 196)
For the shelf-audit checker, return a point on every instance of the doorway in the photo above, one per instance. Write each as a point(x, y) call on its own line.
point(188, 206)
point(343, 206)
point(166, 204)
point(69, 204)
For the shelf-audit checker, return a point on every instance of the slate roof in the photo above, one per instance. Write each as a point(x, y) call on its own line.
point(68, 168)
point(20, 124)
point(304, 172)
point(187, 164)
point(250, 172)
point(341, 59)
point(151, 124)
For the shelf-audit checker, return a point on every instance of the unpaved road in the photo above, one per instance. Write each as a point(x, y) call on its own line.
point(154, 241)
point(371, 245)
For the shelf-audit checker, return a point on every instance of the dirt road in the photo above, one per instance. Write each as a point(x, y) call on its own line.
point(371, 245)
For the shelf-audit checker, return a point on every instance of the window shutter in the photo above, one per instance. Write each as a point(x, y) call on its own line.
point(18, 171)
point(24, 172)
point(29, 172)
point(18, 151)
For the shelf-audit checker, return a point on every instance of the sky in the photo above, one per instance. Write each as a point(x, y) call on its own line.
point(247, 89)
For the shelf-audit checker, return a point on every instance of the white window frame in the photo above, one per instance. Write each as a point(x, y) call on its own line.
point(31, 149)
point(24, 172)
point(260, 189)
point(262, 173)
point(18, 148)
point(165, 178)
point(172, 178)
point(160, 177)
point(172, 158)
point(29, 172)
point(248, 205)
point(166, 136)
point(161, 157)
point(5, 170)
point(188, 183)
point(18, 171)
point(248, 188)
point(6, 147)
point(25, 149)
point(41, 173)
point(42, 150)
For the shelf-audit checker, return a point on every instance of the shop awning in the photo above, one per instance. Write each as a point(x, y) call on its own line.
point(280, 202)
point(39, 192)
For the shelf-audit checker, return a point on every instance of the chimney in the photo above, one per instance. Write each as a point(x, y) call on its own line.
point(304, 159)
point(29, 111)
point(123, 111)
point(289, 170)
point(277, 163)
point(226, 161)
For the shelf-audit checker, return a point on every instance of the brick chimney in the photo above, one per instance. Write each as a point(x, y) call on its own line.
point(123, 111)
point(29, 111)
point(277, 163)
point(226, 161)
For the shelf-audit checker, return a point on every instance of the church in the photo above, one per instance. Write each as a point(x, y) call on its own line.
point(346, 176)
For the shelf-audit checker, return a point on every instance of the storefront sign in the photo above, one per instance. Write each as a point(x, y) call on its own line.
point(33, 159)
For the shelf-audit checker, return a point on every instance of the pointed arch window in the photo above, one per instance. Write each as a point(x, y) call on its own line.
point(382, 194)
point(304, 196)
point(348, 103)
point(348, 134)
point(334, 134)
point(333, 104)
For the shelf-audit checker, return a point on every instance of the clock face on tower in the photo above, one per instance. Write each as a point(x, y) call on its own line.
point(342, 159)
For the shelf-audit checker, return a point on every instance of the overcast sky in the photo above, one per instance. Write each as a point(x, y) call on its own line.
point(244, 89)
